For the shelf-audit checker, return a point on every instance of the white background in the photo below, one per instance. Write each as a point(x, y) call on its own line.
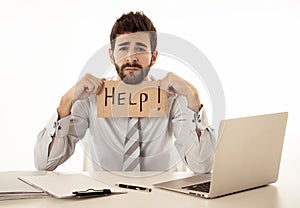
point(253, 45)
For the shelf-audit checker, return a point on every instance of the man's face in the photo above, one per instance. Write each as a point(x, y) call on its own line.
point(132, 56)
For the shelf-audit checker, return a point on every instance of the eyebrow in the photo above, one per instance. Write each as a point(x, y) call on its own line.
point(137, 43)
point(125, 43)
point(141, 44)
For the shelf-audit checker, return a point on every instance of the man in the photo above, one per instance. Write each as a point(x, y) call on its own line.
point(133, 51)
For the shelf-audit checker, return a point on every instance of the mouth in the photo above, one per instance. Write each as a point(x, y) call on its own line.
point(131, 69)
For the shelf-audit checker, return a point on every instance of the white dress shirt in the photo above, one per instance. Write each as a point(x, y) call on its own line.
point(165, 141)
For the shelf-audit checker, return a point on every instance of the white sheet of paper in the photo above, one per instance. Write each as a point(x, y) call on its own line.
point(12, 188)
point(62, 186)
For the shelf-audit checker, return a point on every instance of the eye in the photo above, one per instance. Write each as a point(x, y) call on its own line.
point(123, 49)
point(140, 50)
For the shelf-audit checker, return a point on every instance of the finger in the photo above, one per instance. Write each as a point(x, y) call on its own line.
point(170, 93)
point(92, 78)
point(89, 87)
point(100, 87)
point(99, 83)
point(96, 82)
point(166, 87)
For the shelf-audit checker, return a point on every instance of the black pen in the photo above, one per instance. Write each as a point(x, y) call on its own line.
point(134, 187)
point(92, 193)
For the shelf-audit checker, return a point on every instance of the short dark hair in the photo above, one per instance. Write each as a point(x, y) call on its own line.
point(133, 22)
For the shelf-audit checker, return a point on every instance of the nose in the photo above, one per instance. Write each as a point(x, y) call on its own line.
point(131, 58)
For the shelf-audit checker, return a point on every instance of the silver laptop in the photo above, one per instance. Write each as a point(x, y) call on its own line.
point(247, 156)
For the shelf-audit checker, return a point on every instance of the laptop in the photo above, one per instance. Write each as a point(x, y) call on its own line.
point(247, 155)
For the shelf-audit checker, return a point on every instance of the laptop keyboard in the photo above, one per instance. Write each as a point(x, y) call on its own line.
point(202, 187)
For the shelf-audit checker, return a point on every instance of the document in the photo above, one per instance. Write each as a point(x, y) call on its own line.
point(12, 188)
point(63, 186)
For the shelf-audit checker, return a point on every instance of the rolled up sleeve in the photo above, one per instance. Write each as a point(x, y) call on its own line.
point(67, 132)
point(196, 152)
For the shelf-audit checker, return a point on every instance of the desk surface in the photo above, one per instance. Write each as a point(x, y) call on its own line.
point(281, 194)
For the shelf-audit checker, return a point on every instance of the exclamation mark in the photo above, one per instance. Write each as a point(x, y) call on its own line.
point(158, 96)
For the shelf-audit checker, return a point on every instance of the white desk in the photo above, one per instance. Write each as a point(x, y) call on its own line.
point(284, 193)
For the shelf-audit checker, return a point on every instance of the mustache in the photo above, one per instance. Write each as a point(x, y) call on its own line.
point(131, 65)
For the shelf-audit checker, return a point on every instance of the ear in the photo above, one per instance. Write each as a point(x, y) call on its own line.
point(153, 58)
point(111, 56)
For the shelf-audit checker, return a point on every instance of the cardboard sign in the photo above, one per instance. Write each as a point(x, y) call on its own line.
point(118, 99)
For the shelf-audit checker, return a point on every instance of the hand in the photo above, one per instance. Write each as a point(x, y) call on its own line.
point(86, 86)
point(174, 84)
point(83, 89)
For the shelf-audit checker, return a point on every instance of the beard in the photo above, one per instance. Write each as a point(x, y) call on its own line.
point(134, 77)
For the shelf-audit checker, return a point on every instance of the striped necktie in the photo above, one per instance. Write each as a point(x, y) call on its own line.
point(131, 159)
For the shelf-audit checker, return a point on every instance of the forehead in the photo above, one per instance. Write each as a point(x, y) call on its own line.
point(142, 37)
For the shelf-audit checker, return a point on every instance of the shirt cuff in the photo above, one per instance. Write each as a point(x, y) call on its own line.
point(59, 128)
point(200, 120)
